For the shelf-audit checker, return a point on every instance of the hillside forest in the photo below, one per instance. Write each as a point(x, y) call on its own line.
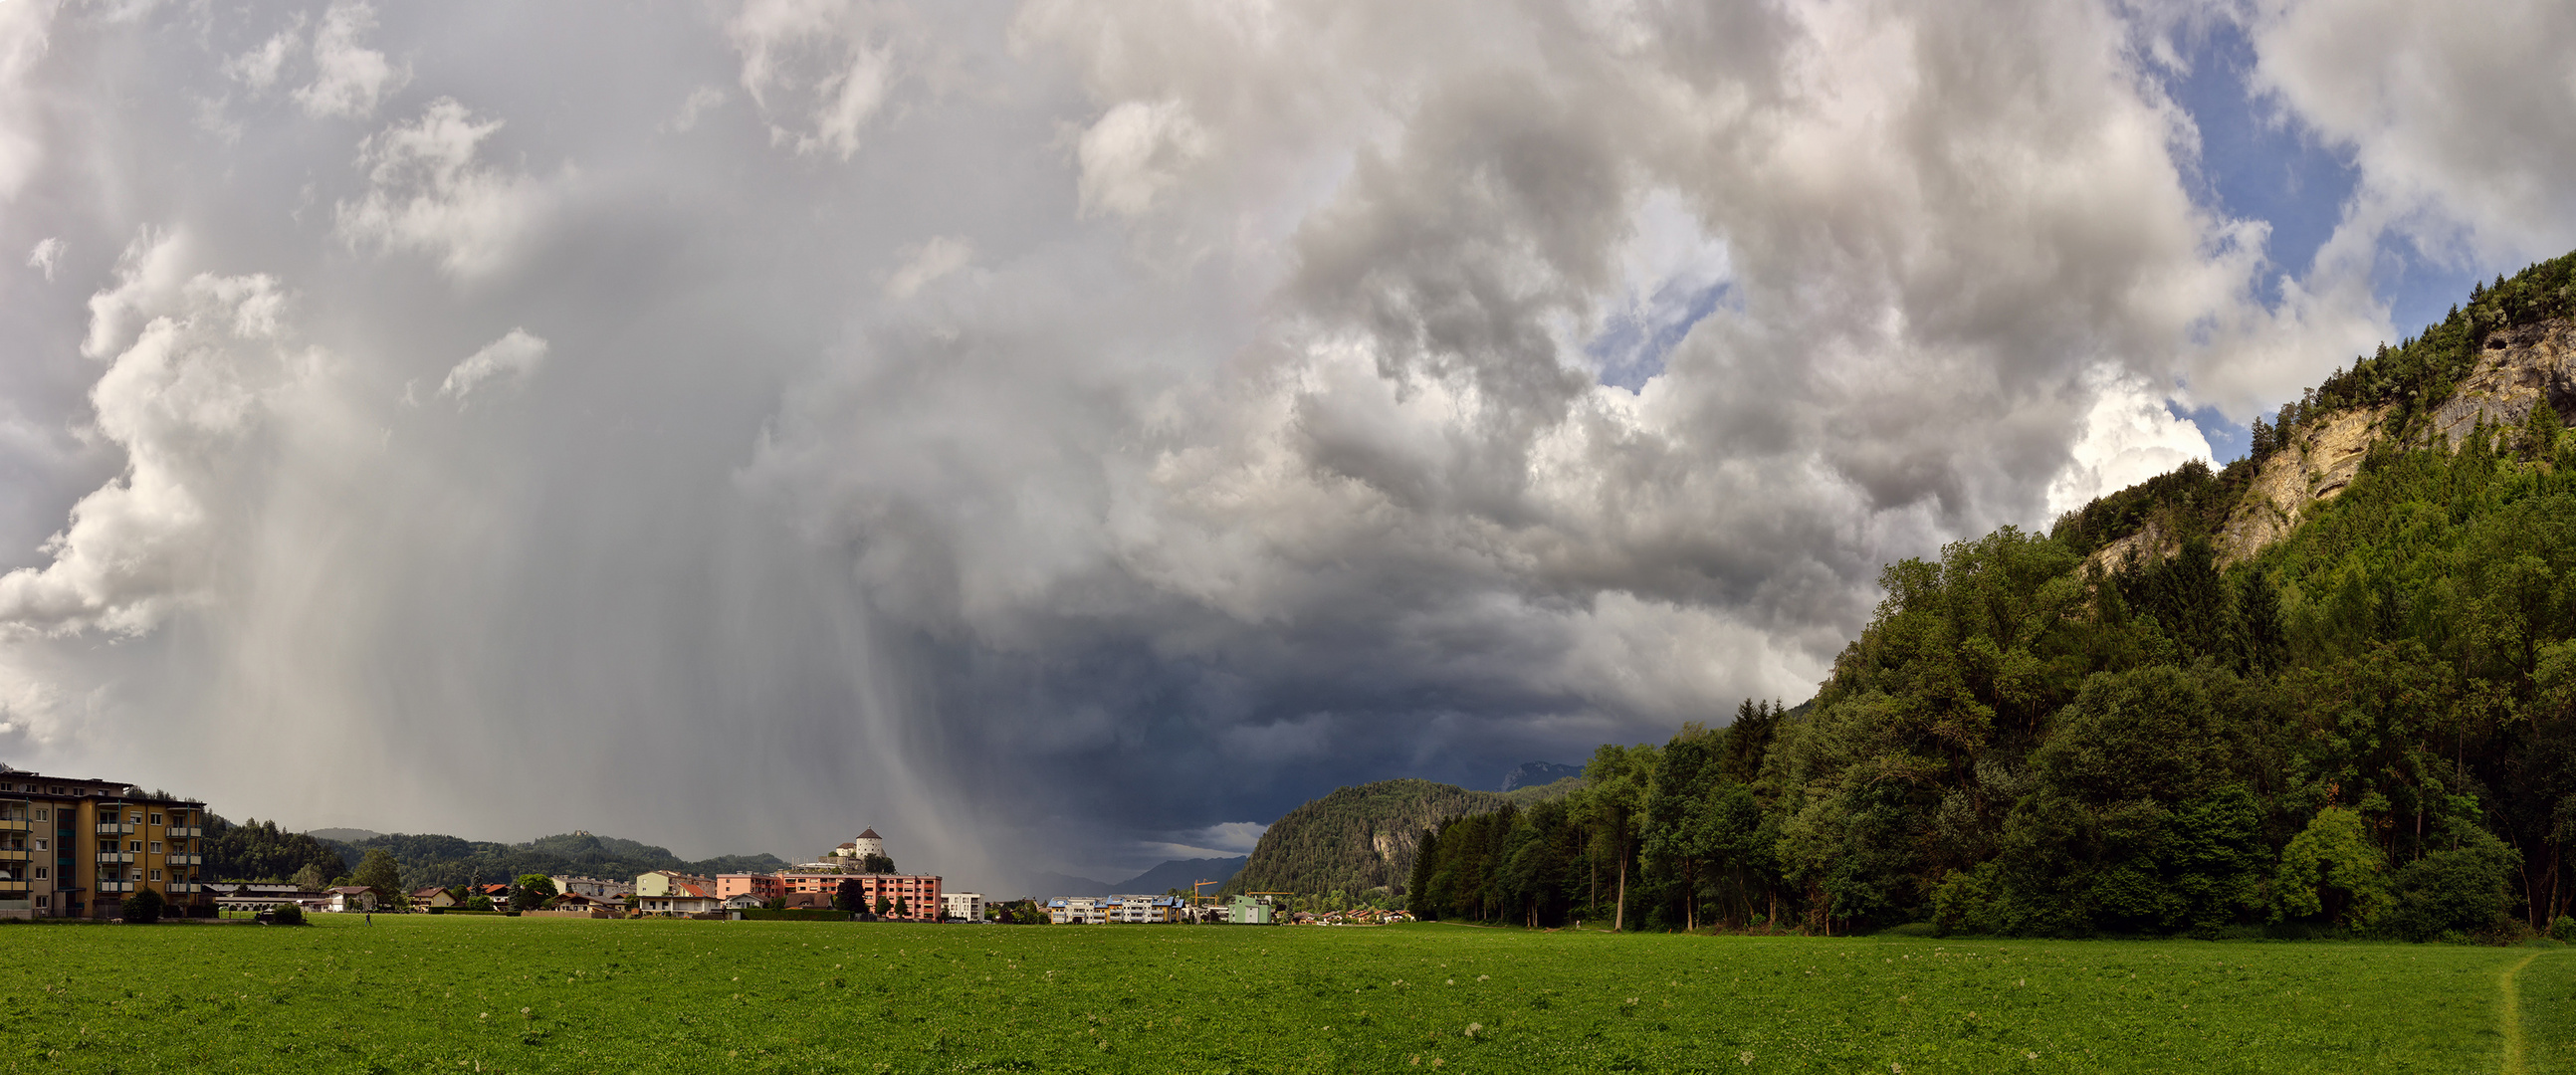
point(2364, 725)
point(259, 851)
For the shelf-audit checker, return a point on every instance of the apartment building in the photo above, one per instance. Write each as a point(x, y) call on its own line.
point(761, 887)
point(75, 848)
point(964, 906)
point(918, 893)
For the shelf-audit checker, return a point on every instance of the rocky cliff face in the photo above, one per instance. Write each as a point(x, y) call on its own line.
point(2317, 464)
point(2519, 368)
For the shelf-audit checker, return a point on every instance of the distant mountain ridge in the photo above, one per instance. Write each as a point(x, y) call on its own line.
point(448, 861)
point(1537, 773)
point(1359, 838)
point(1177, 873)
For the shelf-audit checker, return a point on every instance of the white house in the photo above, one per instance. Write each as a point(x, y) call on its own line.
point(348, 898)
point(967, 906)
point(663, 892)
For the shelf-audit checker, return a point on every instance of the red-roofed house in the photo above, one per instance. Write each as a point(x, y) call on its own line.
point(663, 892)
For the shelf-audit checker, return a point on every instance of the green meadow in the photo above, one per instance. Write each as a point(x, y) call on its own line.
point(438, 993)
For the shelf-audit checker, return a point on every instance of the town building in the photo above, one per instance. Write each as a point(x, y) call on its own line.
point(963, 906)
point(434, 896)
point(350, 898)
point(908, 896)
point(761, 887)
point(77, 848)
point(597, 888)
point(261, 897)
point(668, 893)
point(1077, 911)
point(1250, 911)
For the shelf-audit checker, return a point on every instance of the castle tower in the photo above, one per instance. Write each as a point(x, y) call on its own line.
point(868, 843)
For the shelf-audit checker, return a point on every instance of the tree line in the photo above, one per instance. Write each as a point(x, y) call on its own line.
point(2369, 726)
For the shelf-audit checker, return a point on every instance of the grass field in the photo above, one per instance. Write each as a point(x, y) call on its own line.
point(438, 993)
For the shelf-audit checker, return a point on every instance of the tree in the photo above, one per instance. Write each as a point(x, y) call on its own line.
point(1621, 778)
point(1417, 885)
point(899, 911)
point(379, 871)
point(851, 896)
point(142, 908)
point(531, 892)
point(2332, 870)
point(875, 863)
point(883, 905)
point(311, 877)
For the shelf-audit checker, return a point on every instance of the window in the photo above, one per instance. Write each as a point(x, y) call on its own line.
point(41, 873)
point(40, 901)
point(156, 875)
point(40, 843)
point(156, 819)
point(134, 845)
point(134, 819)
point(44, 815)
point(156, 847)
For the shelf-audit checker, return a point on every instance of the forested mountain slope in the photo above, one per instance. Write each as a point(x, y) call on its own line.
point(448, 861)
point(2330, 686)
point(1360, 838)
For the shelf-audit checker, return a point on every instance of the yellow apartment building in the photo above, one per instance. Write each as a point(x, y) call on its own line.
point(76, 848)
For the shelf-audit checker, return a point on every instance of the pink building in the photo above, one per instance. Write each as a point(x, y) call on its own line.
point(918, 892)
point(760, 886)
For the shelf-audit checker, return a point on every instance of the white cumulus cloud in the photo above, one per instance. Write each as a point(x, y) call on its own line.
point(428, 193)
point(349, 79)
point(512, 358)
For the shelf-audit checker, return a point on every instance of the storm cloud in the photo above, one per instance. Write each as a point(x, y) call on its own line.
point(1066, 434)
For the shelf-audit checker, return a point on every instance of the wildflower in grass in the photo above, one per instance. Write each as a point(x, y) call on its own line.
point(1474, 1028)
point(2031, 1056)
point(1745, 1058)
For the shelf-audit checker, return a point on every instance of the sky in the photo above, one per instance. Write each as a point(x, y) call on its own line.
point(1067, 434)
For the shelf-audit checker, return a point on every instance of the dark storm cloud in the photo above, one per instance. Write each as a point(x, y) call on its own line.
point(1061, 434)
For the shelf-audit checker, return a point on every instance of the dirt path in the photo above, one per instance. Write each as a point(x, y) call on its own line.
point(2512, 1016)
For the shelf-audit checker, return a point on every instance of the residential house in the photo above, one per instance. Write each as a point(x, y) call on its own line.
point(351, 898)
point(434, 896)
point(605, 890)
point(668, 893)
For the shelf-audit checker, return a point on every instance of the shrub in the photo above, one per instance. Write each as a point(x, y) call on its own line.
point(142, 908)
point(287, 914)
point(2564, 929)
point(2458, 891)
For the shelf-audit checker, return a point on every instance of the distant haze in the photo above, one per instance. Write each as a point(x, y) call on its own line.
point(1065, 435)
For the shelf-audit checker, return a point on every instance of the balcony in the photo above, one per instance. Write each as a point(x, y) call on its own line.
point(13, 854)
point(110, 828)
point(177, 858)
point(116, 886)
point(180, 887)
point(186, 832)
point(12, 886)
point(116, 856)
point(16, 824)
